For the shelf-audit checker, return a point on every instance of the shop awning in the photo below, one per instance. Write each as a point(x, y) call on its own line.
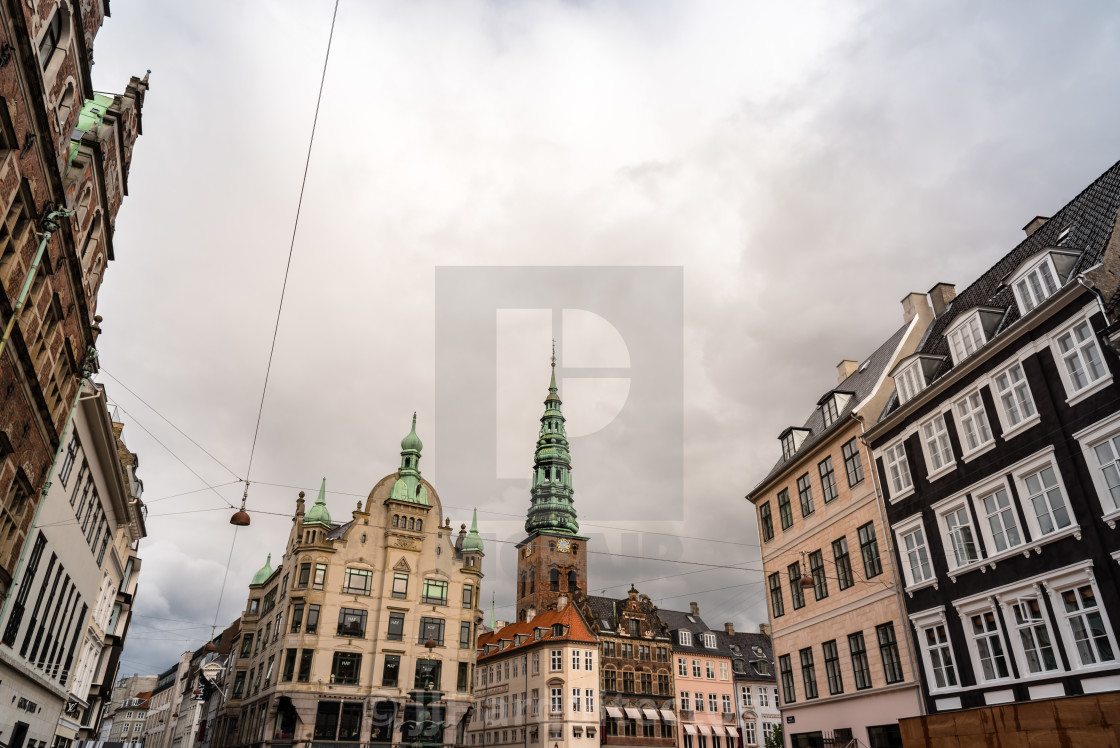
point(633, 713)
point(690, 729)
point(733, 731)
point(717, 729)
point(651, 715)
point(705, 729)
point(668, 716)
point(614, 712)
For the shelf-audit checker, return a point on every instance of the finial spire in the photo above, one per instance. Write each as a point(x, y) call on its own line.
point(554, 353)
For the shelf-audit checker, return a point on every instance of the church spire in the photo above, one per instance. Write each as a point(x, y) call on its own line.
point(551, 511)
point(408, 486)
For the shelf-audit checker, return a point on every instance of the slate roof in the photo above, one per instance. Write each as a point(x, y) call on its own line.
point(337, 531)
point(1090, 217)
point(576, 630)
point(746, 642)
point(677, 620)
point(861, 383)
point(605, 611)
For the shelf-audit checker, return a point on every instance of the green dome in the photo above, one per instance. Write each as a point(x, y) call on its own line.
point(265, 572)
point(412, 443)
point(473, 543)
point(318, 514)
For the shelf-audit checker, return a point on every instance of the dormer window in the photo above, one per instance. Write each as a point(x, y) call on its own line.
point(971, 330)
point(832, 404)
point(709, 640)
point(791, 439)
point(684, 638)
point(1040, 276)
point(909, 382)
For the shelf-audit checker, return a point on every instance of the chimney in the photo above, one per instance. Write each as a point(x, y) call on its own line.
point(561, 602)
point(695, 608)
point(912, 304)
point(845, 369)
point(1035, 224)
point(940, 296)
point(729, 627)
point(764, 629)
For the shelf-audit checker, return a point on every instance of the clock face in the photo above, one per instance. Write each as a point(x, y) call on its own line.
point(563, 545)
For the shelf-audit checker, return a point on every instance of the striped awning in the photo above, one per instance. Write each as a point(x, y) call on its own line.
point(690, 729)
point(668, 716)
point(733, 731)
point(705, 729)
point(651, 714)
point(633, 713)
point(614, 712)
point(717, 729)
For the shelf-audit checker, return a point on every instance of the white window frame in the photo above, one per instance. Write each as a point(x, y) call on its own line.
point(902, 530)
point(942, 446)
point(1015, 390)
point(895, 455)
point(1074, 393)
point(966, 337)
point(1031, 465)
point(1080, 576)
point(980, 607)
point(575, 659)
point(928, 619)
point(709, 640)
point(943, 509)
point(1100, 432)
point(981, 491)
point(909, 381)
point(1008, 600)
point(746, 694)
point(684, 638)
point(1029, 296)
point(556, 661)
point(969, 410)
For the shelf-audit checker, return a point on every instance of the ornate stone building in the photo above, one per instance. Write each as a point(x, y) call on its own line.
point(358, 614)
point(552, 559)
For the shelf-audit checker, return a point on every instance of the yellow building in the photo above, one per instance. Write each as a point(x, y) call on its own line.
point(357, 614)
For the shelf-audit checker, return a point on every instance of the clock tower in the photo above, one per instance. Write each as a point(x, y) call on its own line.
point(552, 559)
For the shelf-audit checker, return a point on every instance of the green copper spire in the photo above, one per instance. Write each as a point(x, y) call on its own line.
point(473, 543)
point(408, 486)
point(318, 514)
point(264, 572)
point(551, 511)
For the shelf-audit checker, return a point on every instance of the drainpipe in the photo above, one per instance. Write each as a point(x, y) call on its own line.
point(890, 557)
point(88, 363)
point(50, 225)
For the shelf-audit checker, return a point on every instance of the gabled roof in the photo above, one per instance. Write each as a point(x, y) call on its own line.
point(676, 620)
point(606, 609)
point(575, 630)
point(861, 383)
point(747, 641)
point(1090, 218)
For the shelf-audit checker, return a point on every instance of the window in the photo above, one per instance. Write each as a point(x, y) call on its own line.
point(808, 673)
point(320, 579)
point(428, 674)
point(723, 674)
point(797, 595)
point(696, 668)
point(750, 737)
point(965, 338)
point(1014, 396)
point(777, 606)
point(805, 494)
point(346, 667)
point(682, 667)
point(304, 575)
point(685, 638)
point(698, 700)
point(357, 581)
point(1080, 355)
point(829, 411)
point(556, 700)
point(391, 671)
point(68, 461)
point(973, 422)
point(1047, 500)
point(610, 680)
point(628, 681)
point(940, 656)
point(400, 585)
point(785, 667)
point(351, 622)
point(888, 650)
point(289, 665)
point(589, 701)
point(844, 576)
point(764, 696)
point(784, 510)
point(713, 702)
point(468, 596)
point(709, 670)
point(663, 683)
point(852, 462)
point(765, 522)
point(246, 645)
point(909, 382)
point(646, 683)
point(305, 657)
point(312, 619)
point(686, 703)
point(577, 702)
point(431, 628)
point(962, 540)
point(588, 659)
point(556, 660)
point(745, 695)
point(1037, 285)
point(396, 626)
point(832, 667)
point(462, 678)
point(1002, 528)
point(435, 592)
point(869, 549)
point(916, 554)
point(828, 479)
point(816, 569)
point(989, 645)
point(465, 635)
point(1090, 634)
point(935, 441)
point(788, 446)
point(575, 659)
point(1034, 635)
point(861, 671)
point(726, 700)
point(898, 469)
point(709, 641)
point(52, 38)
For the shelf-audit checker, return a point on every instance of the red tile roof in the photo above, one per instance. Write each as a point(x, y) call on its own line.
point(575, 628)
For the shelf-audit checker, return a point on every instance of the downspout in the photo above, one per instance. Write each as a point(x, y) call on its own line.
point(889, 538)
point(87, 371)
point(50, 225)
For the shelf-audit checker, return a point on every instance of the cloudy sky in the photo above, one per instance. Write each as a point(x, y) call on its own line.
point(805, 164)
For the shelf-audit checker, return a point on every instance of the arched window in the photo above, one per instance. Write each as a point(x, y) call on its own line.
point(532, 584)
point(419, 525)
point(554, 580)
point(524, 585)
point(54, 35)
point(572, 584)
point(411, 523)
point(396, 520)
